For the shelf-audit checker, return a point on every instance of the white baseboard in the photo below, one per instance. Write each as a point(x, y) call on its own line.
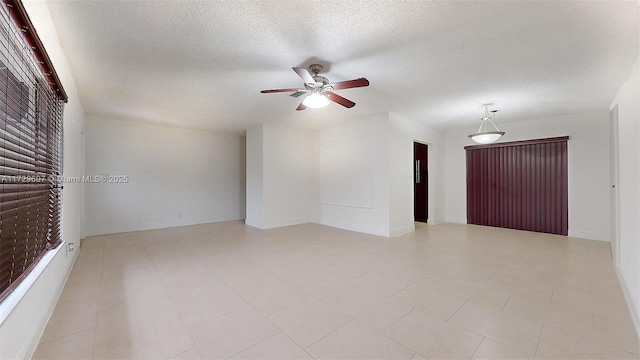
point(436, 221)
point(402, 230)
point(159, 225)
point(335, 224)
point(255, 224)
point(280, 223)
point(456, 220)
point(585, 235)
point(635, 316)
point(356, 228)
point(286, 222)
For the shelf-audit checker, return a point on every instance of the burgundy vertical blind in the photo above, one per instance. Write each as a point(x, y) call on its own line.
point(519, 185)
point(30, 152)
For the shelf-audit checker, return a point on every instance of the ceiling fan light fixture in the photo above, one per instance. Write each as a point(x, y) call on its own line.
point(483, 136)
point(318, 90)
point(486, 137)
point(315, 101)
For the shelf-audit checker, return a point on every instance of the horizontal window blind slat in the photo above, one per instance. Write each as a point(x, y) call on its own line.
point(39, 150)
point(30, 158)
point(23, 195)
point(15, 188)
point(19, 136)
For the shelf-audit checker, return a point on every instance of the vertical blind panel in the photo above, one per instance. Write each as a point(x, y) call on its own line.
point(521, 186)
point(30, 157)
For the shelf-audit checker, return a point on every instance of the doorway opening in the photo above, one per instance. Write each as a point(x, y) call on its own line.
point(420, 182)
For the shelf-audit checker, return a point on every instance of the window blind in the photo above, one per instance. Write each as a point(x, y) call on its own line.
point(519, 185)
point(31, 113)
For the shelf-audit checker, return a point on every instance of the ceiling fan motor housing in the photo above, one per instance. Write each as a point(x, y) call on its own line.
point(315, 69)
point(321, 82)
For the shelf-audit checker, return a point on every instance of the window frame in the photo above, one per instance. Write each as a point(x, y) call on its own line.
point(31, 148)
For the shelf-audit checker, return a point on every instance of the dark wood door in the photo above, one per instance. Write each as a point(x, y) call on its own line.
point(519, 185)
point(420, 182)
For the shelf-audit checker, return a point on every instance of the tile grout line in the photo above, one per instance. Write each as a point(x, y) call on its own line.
point(322, 338)
point(265, 317)
point(539, 338)
point(385, 335)
point(613, 347)
point(95, 331)
point(155, 264)
point(402, 317)
point(508, 301)
point(593, 326)
point(418, 310)
point(174, 305)
point(477, 347)
point(457, 310)
point(281, 331)
point(401, 290)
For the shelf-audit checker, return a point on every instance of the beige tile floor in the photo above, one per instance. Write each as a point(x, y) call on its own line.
point(225, 290)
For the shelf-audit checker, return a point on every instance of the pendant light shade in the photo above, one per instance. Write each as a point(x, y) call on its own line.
point(484, 135)
point(315, 101)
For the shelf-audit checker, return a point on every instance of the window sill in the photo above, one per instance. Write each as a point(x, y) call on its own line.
point(11, 302)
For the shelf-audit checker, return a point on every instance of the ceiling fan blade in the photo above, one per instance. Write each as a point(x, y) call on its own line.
point(298, 93)
point(300, 107)
point(340, 100)
point(305, 75)
point(340, 85)
point(278, 90)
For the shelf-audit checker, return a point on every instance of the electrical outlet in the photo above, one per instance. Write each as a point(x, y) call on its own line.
point(70, 247)
point(180, 215)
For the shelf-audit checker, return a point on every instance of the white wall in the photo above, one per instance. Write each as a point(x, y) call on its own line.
point(403, 133)
point(357, 175)
point(254, 174)
point(588, 159)
point(279, 176)
point(628, 102)
point(354, 190)
point(21, 330)
point(288, 176)
point(198, 174)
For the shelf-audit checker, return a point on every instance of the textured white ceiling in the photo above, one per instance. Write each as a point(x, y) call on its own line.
point(201, 64)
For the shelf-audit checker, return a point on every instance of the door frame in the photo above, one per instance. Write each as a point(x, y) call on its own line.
point(430, 160)
point(614, 185)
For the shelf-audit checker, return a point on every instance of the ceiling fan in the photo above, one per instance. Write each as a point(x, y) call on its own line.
point(318, 90)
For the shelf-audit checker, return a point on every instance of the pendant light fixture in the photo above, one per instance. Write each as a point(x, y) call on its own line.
point(484, 136)
point(316, 100)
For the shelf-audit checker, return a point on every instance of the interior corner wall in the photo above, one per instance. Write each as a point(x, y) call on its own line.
point(353, 174)
point(289, 194)
point(280, 184)
point(22, 328)
point(254, 177)
point(588, 158)
point(403, 133)
point(356, 175)
point(628, 102)
point(175, 176)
